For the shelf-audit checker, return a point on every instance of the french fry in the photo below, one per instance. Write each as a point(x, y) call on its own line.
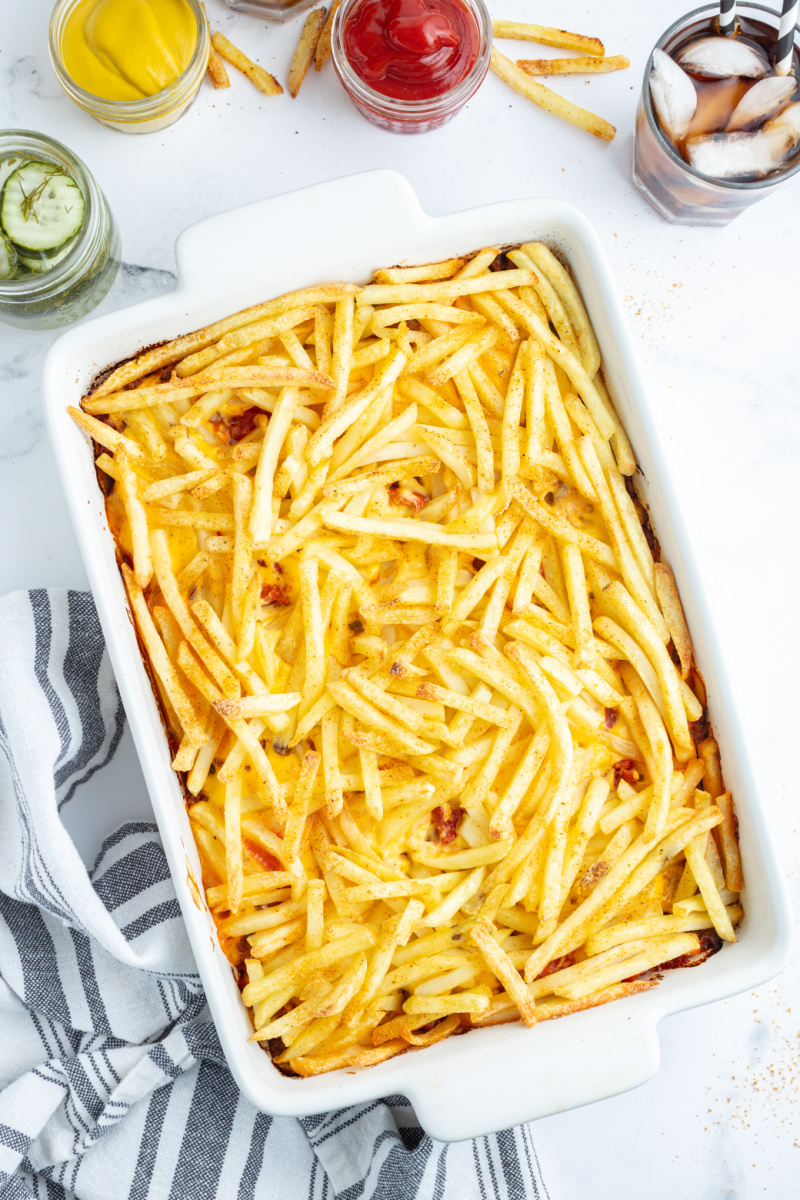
point(661, 753)
point(636, 623)
point(233, 842)
point(407, 293)
point(106, 436)
point(261, 513)
point(473, 1003)
point(670, 602)
point(511, 74)
point(411, 531)
point(169, 589)
point(265, 82)
point(306, 48)
point(216, 67)
point(330, 759)
point(298, 814)
point(161, 661)
point(546, 36)
point(559, 277)
point(729, 843)
point(313, 633)
point(482, 934)
point(137, 519)
point(696, 860)
point(575, 579)
point(441, 270)
point(323, 49)
point(573, 66)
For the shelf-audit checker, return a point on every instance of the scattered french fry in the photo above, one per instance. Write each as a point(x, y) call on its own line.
point(306, 47)
point(437, 754)
point(323, 50)
point(262, 79)
point(216, 67)
point(520, 31)
point(521, 82)
point(573, 66)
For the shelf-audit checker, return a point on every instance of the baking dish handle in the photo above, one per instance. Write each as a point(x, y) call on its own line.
point(359, 207)
point(501, 1085)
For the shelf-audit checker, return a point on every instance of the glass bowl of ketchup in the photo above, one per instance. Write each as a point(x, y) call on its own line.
point(410, 65)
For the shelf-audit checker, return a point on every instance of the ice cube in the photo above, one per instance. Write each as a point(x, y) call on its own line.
point(789, 119)
point(762, 101)
point(740, 155)
point(673, 94)
point(721, 57)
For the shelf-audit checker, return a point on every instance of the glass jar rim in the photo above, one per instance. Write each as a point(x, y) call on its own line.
point(62, 272)
point(121, 110)
point(735, 185)
point(369, 96)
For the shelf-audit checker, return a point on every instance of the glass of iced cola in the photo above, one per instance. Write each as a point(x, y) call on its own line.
point(718, 124)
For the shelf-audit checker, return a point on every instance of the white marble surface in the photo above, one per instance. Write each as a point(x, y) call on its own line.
point(714, 316)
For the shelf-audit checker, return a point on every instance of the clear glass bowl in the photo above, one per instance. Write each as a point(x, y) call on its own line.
point(149, 114)
point(273, 10)
point(675, 189)
point(82, 278)
point(411, 116)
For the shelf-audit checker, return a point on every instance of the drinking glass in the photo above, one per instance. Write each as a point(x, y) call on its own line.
point(674, 188)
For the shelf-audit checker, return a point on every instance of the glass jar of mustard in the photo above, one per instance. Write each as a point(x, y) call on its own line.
point(59, 245)
point(135, 65)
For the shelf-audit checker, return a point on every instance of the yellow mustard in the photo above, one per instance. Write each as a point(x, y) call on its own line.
point(128, 49)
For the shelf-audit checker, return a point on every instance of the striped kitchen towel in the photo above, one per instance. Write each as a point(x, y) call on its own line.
point(112, 1081)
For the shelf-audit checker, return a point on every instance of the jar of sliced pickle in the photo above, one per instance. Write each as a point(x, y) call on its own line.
point(59, 245)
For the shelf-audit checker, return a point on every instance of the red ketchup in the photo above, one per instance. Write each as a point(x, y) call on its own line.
point(411, 49)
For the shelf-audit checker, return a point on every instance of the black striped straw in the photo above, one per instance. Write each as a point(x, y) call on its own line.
point(785, 46)
point(727, 17)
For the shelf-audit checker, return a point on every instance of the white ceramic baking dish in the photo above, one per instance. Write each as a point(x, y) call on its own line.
point(491, 1078)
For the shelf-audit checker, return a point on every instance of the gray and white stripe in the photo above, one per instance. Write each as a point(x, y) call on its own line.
point(785, 45)
point(727, 17)
point(112, 1079)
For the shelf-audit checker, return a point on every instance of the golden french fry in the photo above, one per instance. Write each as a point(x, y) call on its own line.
point(573, 66)
point(411, 531)
point(451, 289)
point(497, 960)
point(441, 270)
point(105, 435)
point(137, 519)
point(670, 602)
point(439, 1006)
point(161, 662)
point(546, 98)
point(262, 79)
point(306, 48)
point(233, 841)
point(561, 280)
point(323, 50)
point(216, 67)
point(546, 36)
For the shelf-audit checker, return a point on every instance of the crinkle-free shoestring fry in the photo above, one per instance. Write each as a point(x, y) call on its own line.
point(434, 702)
